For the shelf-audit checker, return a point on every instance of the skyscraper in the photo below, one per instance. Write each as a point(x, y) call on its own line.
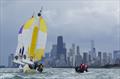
point(73, 51)
point(60, 49)
point(65, 52)
point(99, 58)
point(53, 55)
point(78, 50)
point(110, 58)
point(71, 55)
point(78, 57)
point(85, 58)
point(90, 57)
point(116, 56)
point(53, 52)
point(61, 52)
point(105, 58)
point(93, 51)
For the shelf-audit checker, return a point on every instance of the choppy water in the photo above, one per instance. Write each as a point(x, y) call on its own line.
point(61, 73)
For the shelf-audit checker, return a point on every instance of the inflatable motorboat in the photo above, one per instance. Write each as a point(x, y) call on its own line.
point(81, 68)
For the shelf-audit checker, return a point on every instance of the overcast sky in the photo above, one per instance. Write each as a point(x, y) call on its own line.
point(78, 21)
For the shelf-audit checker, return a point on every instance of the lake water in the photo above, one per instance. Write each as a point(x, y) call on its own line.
point(60, 73)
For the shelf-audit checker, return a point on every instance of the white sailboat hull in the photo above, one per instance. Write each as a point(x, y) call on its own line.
point(18, 62)
point(27, 61)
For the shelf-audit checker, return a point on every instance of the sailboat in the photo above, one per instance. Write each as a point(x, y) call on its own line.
point(32, 38)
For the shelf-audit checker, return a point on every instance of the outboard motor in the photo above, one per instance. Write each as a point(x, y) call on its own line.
point(40, 68)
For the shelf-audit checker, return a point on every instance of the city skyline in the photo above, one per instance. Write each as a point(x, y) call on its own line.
point(78, 22)
point(59, 56)
point(73, 57)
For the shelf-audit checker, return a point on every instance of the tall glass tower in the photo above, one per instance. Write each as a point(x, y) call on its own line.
point(93, 50)
point(60, 45)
